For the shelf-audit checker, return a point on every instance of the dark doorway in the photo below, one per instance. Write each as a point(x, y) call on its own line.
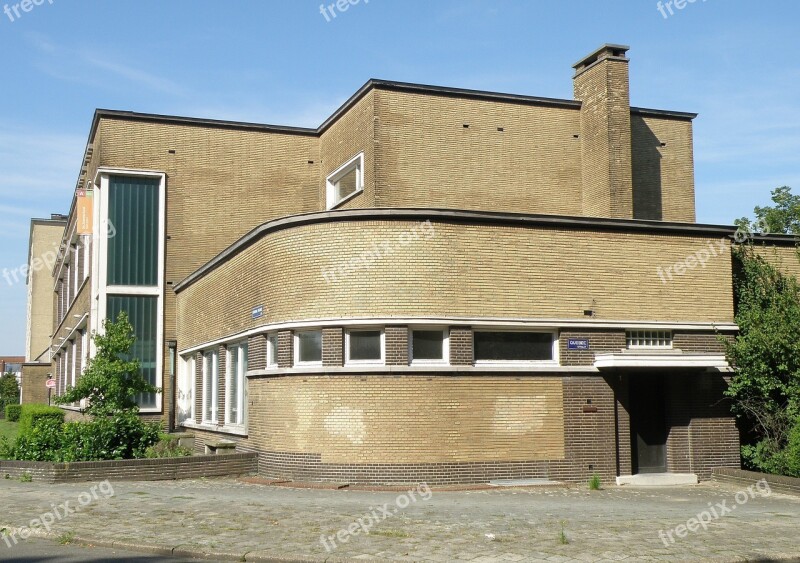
point(648, 424)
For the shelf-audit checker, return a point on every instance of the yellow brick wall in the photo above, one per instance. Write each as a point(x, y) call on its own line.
point(351, 134)
point(426, 158)
point(663, 177)
point(410, 419)
point(462, 270)
point(785, 258)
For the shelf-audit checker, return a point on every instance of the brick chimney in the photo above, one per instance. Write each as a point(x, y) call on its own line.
point(601, 84)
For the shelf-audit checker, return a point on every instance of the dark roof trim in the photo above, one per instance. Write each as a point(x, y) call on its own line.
point(372, 84)
point(458, 216)
point(664, 113)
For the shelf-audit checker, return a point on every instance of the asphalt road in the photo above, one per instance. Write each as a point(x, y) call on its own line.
point(44, 550)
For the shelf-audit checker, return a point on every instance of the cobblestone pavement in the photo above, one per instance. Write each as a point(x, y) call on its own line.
point(259, 522)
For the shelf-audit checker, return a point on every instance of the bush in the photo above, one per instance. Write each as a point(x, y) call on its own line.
point(120, 436)
point(167, 447)
point(792, 452)
point(30, 416)
point(13, 412)
point(41, 442)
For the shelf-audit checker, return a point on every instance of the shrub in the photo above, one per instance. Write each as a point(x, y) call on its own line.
point(13, 412)
point(120, 436)
point(31, 415)
point(792, 452)
point(41, 442)
point(167, 447)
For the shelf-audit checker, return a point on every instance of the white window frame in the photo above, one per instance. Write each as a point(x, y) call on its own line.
point(188, 370)
point(272, 355)
point(240, 349)
point(379, 362)
point(211, 376)
point(74, 366)
point(661, 339)
point(357, 163)
point(445, 360)
point(100, 287)
point(553, 362)
point(76, 266)
point(87, 256)
point(84, 349)
point(297, 361)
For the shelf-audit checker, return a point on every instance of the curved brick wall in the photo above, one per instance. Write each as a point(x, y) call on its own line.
point(454, 270)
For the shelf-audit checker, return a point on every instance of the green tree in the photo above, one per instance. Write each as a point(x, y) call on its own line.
point(783, 217)
point(9, 390)
point(766, 356)
point(112, 379)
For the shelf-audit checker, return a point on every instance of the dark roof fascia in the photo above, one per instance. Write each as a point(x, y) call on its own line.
point(664, 113)
point(460, 216)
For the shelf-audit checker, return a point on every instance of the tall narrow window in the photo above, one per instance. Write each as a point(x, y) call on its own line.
point(272, 351)
point(186, 385)
point(210, 386)
point(235, 384)
point(133, 204)
point(141, 310)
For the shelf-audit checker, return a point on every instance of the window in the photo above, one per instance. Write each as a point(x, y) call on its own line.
point(272, 350)
point(210, 386)
point(308, 347)
point(74, 366)
point(76, 257)
point(428, 346)
point(84, 349)
point(65, 369)
point(141, 310)
point(186, 384)
point(234, 384)
point(649, 339)
point(345, 182)
point(87, 256)
point(133, 251)
point(502, 346)
point(364, 346)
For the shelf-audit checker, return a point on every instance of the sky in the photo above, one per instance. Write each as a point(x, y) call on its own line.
point(734, 62)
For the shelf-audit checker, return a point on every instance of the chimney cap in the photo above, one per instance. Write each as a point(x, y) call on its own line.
point(607, 51)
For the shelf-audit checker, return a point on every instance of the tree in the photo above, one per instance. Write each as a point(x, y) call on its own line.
point(9, 390)
point(112, 379)
point(766, 356)
point(783, 217)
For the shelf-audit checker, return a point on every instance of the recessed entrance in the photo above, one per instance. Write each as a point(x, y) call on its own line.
point(648, 424)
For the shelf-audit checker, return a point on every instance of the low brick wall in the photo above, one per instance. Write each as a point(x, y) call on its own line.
point(162, 469)
point(778, 483)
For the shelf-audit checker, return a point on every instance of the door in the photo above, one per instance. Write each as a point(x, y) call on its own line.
point(648, 424)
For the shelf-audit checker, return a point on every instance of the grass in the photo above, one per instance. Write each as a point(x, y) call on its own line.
point(66, 538)
point(594, 483)
point(562, 537)
point(391, 533)
point(9, 430)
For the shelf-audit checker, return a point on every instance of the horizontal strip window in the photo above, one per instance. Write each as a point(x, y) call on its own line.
point(513, 346)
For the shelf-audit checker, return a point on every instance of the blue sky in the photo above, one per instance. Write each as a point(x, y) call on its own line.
point(734, 62)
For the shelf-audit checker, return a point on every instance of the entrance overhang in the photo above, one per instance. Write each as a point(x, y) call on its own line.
point(660, 361)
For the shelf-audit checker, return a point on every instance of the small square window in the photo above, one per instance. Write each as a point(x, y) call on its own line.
point(309, 347)
point(365, 346)
point(345, 182)
point(428, 346)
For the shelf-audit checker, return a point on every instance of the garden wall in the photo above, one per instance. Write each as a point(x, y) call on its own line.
point(162, 469)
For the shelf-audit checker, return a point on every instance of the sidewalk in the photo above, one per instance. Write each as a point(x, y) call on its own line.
point(244, 521)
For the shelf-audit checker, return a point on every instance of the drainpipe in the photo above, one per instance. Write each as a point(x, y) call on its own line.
point(173, 345)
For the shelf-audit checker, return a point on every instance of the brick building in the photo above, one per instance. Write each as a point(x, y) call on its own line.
point(435, 284)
